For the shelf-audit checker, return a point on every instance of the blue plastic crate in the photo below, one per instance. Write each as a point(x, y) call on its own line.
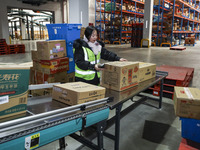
point(71, 65)
point(69, 32)
point(190, 129)
point(69, 47)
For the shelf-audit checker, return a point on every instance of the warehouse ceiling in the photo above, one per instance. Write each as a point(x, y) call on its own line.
point(37, 2)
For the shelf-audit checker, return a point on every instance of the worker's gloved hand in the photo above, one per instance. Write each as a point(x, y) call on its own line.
point(99, 67)
point(123, 59)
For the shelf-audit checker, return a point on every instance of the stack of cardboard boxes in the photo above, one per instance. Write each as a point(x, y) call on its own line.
point(50, 63)
point(187, 106)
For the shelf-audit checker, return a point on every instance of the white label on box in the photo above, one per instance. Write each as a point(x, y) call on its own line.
point(55, 31)
point(58, 47)
point(4, 99)
point(51, 51)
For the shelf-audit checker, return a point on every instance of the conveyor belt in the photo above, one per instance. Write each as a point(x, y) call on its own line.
point(50, 123)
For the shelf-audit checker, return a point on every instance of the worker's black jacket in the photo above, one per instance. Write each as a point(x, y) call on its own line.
point(85, 65)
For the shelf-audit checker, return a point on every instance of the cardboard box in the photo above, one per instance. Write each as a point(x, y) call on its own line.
point(55, 66)
point(77, 92)
point(120, 75)
point(49, 50)
point(146, 71)
point(187, 102)
point(14, 81)
point(34, 55)
point(37, 65)
point(41, 78)
point(71, 77)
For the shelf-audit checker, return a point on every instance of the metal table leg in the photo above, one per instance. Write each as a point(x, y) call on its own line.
point(161, 93)
point(62, 143)
point(117, 126)
point(100, 129)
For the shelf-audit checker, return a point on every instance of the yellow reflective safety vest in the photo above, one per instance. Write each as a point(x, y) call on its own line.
point(93, 59)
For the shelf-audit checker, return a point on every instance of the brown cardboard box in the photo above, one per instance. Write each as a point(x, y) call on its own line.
point(120, 75)
point(41, 78)
point(34, 55)
point(77, 92)
point(82, 32)
point(36, 65)
point(71, 77)
point(146, 71)
point(187, 102)
point(49, 50)
point(14, 81)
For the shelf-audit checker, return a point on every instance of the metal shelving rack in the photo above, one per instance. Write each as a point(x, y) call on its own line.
point(182, 24)
point(160, 17)
point(189, 22)
point(106, 20)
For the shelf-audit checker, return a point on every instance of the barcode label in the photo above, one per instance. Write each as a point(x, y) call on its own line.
point(4, 99)
point(22, 100)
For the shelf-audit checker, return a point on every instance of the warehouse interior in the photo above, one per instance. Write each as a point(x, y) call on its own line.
point(163, 34)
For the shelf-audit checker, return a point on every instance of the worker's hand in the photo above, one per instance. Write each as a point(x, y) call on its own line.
point(98, 68)
point(123, 59)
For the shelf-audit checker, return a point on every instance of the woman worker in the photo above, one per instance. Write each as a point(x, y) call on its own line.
point(87, 55)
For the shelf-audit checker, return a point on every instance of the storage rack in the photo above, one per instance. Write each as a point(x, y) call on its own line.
point(179, 20)
point(159, 30)
point(186, 14)
point(114, 19)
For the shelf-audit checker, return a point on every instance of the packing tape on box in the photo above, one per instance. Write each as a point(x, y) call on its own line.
point(188, 93)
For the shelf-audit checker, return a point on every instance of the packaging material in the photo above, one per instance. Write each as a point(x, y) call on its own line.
point(55, 65)
point(41, 78)
point(53, 49)
point(120, 75)
point(187, 102)
point(77, 93)
point(146, 71)
point(14, 81)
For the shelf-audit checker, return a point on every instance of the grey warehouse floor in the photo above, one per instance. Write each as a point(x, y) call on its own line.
point(144, 128)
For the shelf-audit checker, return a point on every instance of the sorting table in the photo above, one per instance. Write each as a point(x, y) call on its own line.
point(121, 97)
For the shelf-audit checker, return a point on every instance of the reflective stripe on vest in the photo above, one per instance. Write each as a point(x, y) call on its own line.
point(88, 56)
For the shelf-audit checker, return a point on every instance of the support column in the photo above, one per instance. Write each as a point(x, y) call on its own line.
point(4, 31)
point(148, 17)
point(32, 29)
point(28, 27)
point(23, 29)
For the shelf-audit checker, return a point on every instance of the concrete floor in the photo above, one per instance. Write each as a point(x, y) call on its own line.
point(144, 128)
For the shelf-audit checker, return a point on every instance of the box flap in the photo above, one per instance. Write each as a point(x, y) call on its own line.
point(79, 87)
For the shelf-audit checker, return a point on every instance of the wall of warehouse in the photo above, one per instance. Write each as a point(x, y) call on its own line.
point(50, 6)
point(78, 12)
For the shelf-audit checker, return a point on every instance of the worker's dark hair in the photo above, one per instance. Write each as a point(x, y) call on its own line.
point(89, 30)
